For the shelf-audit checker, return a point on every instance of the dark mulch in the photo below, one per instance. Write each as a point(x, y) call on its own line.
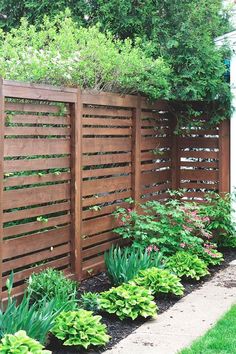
point(120, 329)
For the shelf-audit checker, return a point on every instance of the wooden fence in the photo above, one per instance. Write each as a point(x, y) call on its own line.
point(69, 158)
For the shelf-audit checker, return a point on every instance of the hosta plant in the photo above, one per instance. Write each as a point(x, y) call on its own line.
point(89, 301)
point(80, 328)
point(159, 281)
point(128, 301)
point(123, 264)
point(210, 255)
point(20, 343)
point(185, 264)
point(52, 284)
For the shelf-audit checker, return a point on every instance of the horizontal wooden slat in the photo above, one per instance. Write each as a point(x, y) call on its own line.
point(32, 107)
point(200, 164)
point(200, 154)
point(95, 239)
point(106, 144)
point(154, 143)
point(106, 171)
point(89, 252)
point(27, 180)
point(93, 266)
point(91, 213)
point(106, 131)
point(155, 177)
point(24, 274)
point(200, 185)
point(106, 185)
point(106, 122)
point(29, 147)
point(100, 224)
point(89, 160)
point(35, 257)
point(35, 225)
point(38, 211)
point(158, 188)
point(35, 242)
point(198, 142)
point(150, 155)
point(103, 112)
point(202, 175)
point(39, 119)
point(109, 99)
point(155, 166)
point(109, 197)
point(39, 131)
point(36, 164)
point(33, 196)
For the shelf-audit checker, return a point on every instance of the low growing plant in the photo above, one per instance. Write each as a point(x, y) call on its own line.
point(210, 255)
point(123, 264)
point(52, 284)
point(159, 281)
point(89, 301)
point(20, 343)
point(36, 319)
point(185, 264)
point(128, 301)
point(80, 328)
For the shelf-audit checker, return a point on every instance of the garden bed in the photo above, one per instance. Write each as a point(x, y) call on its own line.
point(118, 329)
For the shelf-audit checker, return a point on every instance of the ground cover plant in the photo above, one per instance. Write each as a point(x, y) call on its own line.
point(51, 284)
point(80, 329)
point(128, 301)
point(20, 343)
point(159, 281)
point(89, 301)
point(123, 264)
point(220, 339)
point(187, 265)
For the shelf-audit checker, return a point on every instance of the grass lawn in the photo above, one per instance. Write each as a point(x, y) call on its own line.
point(221, 339)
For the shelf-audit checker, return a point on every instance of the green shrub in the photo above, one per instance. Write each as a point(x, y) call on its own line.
point(89, 301)
point(159, 281)
point(123, 264)
point(80, 328)
point(35, 319)
point(128, 300)
point(210, 255)
point(61, 53)
point(52, 284)
point(185, 264)
point(20, 343)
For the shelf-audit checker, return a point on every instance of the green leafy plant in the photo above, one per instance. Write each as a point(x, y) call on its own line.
point(184, 264)
point(124, 263)
point(209, 254)
point(20, 343)
point(128, 301)
point(36, 319)
point(52, 284)
point(80, 328)
point(159, 281)
point(89, 301)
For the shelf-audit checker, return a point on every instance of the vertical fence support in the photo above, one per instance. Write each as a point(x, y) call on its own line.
point(2, 102)
point(175, 156)
point(224, 157)
point(136, 152)
point(76, 185)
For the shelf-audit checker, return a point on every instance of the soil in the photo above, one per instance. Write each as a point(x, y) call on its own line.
point(118, 329)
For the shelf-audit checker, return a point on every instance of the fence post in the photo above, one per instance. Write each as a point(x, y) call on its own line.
point(76, 185)
point(136, 152)
point(224, 157)
point(2, 102)
point(175, 156)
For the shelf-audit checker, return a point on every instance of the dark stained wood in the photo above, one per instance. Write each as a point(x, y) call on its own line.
point(175, 156)
point(38, 131)
point(106, 185)
point(136, 153)
point(36, 164)
point(36, 179)
point(92, 145)
point(76, 110)
point(224, 157)
point(89, 160)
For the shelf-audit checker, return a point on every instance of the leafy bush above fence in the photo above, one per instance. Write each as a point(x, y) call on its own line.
point(61, 54)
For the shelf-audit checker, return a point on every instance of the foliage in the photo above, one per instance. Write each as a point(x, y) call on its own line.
point(220, 211)
point(80, 328)
point(185, 264)
point(52, 284)
point(123, 264)
point(128, 300)
point(172, 227)
point(60, 53)
point(35, 319)
point(20, 343)
point(159, 281)
point(219, 339)
point(209, 254)
point(89, 301)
